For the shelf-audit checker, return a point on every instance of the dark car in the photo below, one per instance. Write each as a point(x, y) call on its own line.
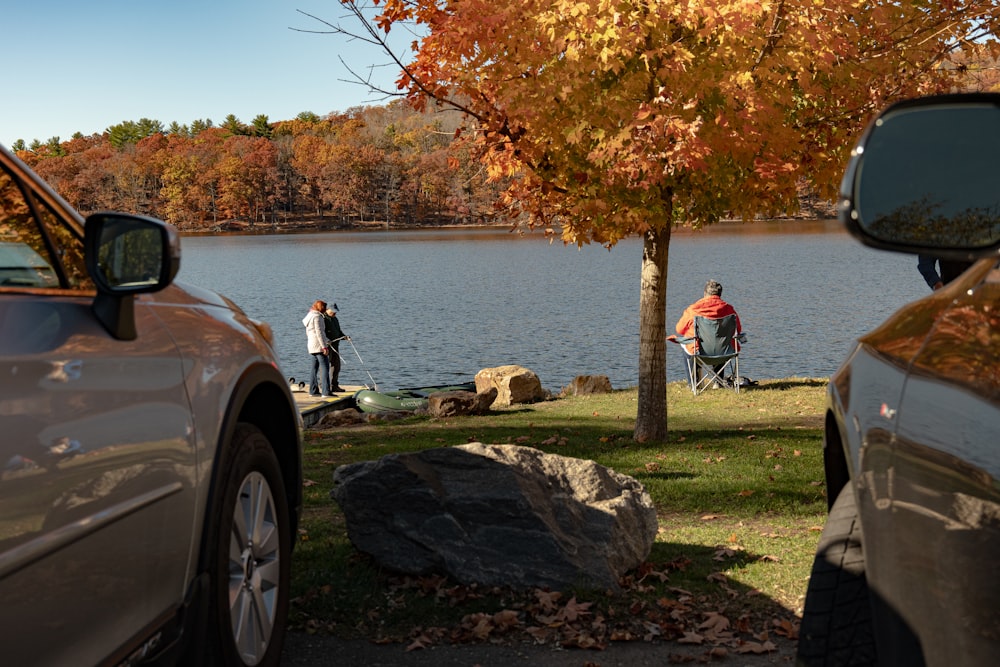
point(906, 570)
point(150, 449)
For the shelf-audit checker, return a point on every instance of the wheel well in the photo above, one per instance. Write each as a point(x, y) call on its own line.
point(834, 460)
point(267, 408)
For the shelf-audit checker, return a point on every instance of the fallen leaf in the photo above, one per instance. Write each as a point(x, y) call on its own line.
point(714, 623)
point(574, 610)
point(548, 599)
point(506, 619)
point(786, 628)
point(755, 647)
point(726, 552)
point(691, 638)
point(419, 643)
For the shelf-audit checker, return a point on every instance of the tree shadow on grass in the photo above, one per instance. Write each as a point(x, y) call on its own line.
point(789, 383)
point(679, 596)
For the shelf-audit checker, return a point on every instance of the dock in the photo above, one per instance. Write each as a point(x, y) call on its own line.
point(312, 408)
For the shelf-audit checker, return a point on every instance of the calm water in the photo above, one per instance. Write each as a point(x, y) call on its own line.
point(433, 307)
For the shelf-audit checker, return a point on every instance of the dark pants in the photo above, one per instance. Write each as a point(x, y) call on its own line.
point(321, 366)
point(334, 369)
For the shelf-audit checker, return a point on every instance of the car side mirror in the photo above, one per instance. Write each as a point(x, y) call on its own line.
point(128, 255)
point(924, 178)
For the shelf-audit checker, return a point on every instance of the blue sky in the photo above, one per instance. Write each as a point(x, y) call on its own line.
point(79, 66)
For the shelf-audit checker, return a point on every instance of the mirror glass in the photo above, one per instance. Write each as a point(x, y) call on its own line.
point(930, 176)
point(130, 253)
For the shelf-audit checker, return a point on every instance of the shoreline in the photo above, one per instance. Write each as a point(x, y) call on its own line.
point(814, 224)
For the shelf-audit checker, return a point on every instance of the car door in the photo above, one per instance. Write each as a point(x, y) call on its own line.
point(946, 480)
point(96, 452)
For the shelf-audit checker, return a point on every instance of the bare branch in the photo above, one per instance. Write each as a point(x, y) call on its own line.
point(375, 37)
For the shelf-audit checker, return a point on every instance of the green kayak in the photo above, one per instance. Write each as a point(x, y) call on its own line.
point(403, 400)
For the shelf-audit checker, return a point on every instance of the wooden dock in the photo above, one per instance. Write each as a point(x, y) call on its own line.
point(313, 408)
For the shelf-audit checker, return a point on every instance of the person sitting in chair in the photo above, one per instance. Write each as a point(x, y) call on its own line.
point(711, 306)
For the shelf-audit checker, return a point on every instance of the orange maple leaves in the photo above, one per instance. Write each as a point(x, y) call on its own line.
point(599, 106)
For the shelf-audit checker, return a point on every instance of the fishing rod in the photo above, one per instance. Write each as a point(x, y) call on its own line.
point(348, 339)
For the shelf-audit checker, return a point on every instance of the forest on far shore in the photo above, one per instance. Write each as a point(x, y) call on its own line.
point(377, 165)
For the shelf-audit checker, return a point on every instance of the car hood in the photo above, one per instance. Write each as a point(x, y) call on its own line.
point(181, 292)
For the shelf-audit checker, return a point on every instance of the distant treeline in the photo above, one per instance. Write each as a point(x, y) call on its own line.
point(379, 164)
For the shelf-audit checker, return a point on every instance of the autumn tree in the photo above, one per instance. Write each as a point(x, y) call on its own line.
point(311, 157)
point(249, 178)
point(626, 117)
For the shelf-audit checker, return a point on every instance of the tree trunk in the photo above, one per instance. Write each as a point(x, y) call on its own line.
point(651, 417)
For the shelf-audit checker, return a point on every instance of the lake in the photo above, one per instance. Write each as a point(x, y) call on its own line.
point(436, 306)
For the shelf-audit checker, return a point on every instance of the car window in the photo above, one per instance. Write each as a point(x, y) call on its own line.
point(36, 248)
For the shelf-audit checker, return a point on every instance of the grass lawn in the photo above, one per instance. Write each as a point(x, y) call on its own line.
point(738, 488)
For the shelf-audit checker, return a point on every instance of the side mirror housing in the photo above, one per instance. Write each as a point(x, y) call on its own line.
point(128, 255)
point(924, 178)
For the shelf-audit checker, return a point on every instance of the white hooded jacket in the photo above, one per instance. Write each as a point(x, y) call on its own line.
point(316, 338)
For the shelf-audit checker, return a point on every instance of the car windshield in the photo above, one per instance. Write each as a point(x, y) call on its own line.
point(20, 266)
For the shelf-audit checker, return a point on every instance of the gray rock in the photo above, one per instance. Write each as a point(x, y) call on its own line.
point(584, 385)
point(340, 418)
point(498, 515)
point(454, 403)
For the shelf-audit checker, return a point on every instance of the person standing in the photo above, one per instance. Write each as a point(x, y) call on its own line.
point(928, 266)
point(318, 345)
point(334, 334)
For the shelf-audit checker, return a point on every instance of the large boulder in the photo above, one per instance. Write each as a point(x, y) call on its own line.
point(514, 384)
point(497, 515)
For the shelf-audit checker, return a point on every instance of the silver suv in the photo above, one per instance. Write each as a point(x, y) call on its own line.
point(150, 450)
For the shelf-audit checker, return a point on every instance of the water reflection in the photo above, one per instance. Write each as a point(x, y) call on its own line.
point(435, 306)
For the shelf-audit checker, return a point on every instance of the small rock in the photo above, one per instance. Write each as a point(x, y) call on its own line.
point(455, 403)
point(585, 385)
point(340, 418)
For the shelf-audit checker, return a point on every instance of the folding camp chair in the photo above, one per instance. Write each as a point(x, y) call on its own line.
point(717, 348)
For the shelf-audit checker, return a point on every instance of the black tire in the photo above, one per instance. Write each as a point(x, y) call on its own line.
point(837, 627)
point(250, 556)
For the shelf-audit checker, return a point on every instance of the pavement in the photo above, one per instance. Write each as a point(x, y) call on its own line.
point(304, 650)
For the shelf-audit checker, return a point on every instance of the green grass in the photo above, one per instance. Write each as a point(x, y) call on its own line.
point(738, 487)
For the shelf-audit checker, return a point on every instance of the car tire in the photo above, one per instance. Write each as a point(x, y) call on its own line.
point(251, 555)
point(837, 628)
